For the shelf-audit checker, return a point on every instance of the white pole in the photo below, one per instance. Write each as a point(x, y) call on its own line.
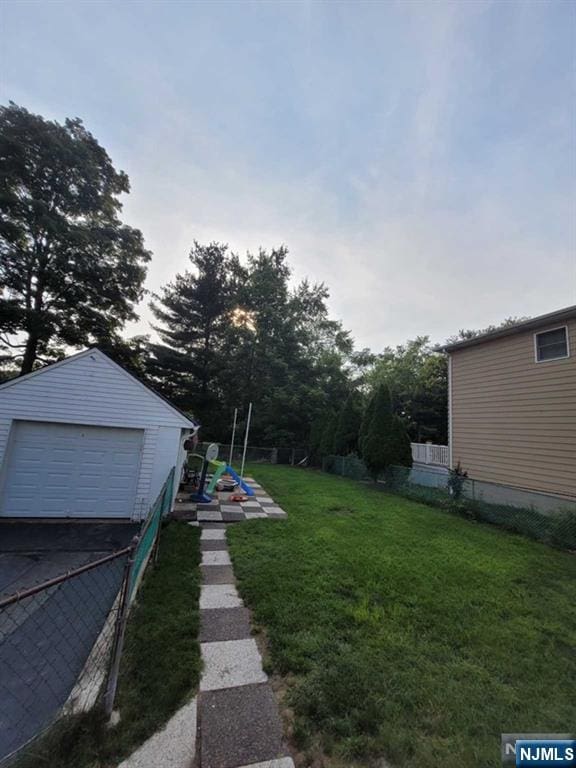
point(233, 435)
point(246, 441)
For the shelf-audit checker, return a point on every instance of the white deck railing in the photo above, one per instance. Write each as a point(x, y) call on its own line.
point(427, 453)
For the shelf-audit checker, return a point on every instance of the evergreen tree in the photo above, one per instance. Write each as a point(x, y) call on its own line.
point(376, 440)
point(193, 314)
point(348, 426)
point(400, 449)
point(386, 442)
point(418, 379)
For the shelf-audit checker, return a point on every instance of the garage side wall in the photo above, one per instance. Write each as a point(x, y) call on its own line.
point(90, 389)
point(167, 455)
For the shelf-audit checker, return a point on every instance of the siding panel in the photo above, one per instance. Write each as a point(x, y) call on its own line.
point(91, 390)
point(513, 419)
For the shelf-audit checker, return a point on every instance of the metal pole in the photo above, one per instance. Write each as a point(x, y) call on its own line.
point(120, 630)
point(233, 435)
point(246, 440)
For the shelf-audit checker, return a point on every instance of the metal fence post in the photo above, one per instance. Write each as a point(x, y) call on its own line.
point(120, 631)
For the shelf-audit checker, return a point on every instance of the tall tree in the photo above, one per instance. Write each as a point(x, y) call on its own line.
point(418, 379)
point(70, 271)
point(470, 333)
point(366, 422)
point(233, 333)
point(375, 443)
point(193, 318)
point(386, 442)
point(328, 435)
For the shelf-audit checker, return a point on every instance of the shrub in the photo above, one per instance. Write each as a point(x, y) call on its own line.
point(386, 442)
point(456, 480)
point(348, 426)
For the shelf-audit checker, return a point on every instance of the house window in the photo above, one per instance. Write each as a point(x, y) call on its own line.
point(551, 345)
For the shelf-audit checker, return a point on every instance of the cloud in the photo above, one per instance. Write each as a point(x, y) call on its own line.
point(417, 157)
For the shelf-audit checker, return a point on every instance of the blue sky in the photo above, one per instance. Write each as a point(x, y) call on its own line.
point(418, 157)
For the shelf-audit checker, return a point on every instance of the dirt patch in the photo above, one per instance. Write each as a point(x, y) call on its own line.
point(340, 511)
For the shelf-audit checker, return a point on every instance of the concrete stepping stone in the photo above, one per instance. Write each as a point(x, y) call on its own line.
point(231, 663)
point(281, 762)
point(219, 596)
point(224, 624)
point(170, 747)
point(184, 506)
point(217, 574)
point(216, 558)
point(209, 545)
point(213, 534)
point(239, 723)
point(233, 517)
point(213, 515)
point(240, 726)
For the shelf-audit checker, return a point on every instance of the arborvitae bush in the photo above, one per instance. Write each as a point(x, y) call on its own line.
point(386, 441)
point(348, 426)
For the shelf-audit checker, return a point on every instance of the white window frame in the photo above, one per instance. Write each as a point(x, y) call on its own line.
point(549, 330)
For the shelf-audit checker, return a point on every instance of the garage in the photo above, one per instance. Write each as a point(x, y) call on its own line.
point(68, 470)
point(85, 439)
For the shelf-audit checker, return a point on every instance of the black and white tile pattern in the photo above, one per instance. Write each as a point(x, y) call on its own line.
point(222, 510)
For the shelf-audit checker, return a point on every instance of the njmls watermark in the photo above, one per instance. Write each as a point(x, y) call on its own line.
point(539, 749)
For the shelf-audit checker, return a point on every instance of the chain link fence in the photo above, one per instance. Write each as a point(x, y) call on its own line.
point(537, 515)
point(61, 641)
point(258, 455)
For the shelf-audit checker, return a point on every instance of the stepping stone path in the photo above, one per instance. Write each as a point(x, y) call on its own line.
point(221, 510)
point(239, 725)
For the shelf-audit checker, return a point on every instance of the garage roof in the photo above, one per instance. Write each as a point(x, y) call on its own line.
point(188, 422)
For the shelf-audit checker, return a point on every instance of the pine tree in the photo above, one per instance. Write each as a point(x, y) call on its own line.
point(400, 448)
point(376, 440)
point(193, 318)
point(348, 426)
point(386, 442)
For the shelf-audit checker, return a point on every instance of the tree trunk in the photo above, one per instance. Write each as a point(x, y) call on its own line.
point(30, 353)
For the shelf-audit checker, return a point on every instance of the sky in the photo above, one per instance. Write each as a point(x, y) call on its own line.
point(417, 157)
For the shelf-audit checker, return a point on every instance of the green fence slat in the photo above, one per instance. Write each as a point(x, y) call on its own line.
point(151, 527)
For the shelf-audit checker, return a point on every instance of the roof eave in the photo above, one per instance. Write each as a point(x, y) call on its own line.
point(562, 315)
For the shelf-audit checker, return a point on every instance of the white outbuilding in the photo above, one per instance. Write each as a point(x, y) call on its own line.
point(84, 438)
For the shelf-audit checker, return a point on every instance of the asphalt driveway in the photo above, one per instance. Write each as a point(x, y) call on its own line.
point(46, 639)
point(31, 553)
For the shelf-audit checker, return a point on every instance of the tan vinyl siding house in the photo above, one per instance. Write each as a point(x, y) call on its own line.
point(513, 415)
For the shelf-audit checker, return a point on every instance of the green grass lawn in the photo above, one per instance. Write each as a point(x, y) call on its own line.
point(160, 667)
point(404, 632)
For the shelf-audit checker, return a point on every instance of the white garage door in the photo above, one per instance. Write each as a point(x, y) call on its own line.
point(66, 470)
